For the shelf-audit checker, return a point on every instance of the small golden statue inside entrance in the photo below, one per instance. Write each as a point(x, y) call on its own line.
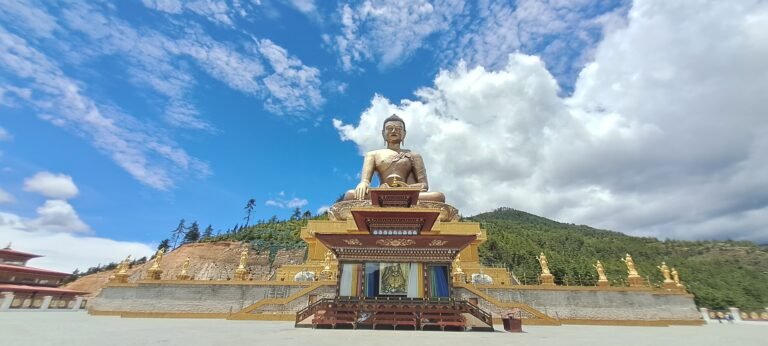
point(676, 277)
point(393, 279)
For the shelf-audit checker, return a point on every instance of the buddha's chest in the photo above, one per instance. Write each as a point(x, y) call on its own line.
point(393, 162)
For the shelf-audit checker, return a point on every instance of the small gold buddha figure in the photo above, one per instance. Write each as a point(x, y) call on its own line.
point(631, 270)
point(395, 166)
point(122, 268)
point(676, 278)
point(457, 265)
point(600, 271)
point(243, 259)
point(544, 264)
point(158, 258)
point(665, 272)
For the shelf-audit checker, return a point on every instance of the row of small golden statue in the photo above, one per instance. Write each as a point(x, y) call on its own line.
point(671, 278)
point(154, 272)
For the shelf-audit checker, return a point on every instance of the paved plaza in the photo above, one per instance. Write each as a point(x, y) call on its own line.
point(79, 328)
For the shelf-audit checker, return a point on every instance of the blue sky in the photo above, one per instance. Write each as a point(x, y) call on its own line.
point(117, 119)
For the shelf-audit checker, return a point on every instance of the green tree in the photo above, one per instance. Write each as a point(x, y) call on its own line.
point(307, 215)
point(296, 214)
point(165, 244)
point(248, 210)
point(178, 232)
point(208, 233)
point(193, 233)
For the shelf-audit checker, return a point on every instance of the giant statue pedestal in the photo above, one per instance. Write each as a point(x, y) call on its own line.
point(636, 281)
point(240, 274)
point(603, 283)
point(547, 280)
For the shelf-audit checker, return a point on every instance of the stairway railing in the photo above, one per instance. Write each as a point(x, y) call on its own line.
point(311, 309)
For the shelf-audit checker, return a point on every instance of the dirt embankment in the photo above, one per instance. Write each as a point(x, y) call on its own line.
point(207, 261)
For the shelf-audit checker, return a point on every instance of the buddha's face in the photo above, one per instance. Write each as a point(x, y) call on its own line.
point(394, 131)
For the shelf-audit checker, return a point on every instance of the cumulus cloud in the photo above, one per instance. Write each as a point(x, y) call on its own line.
point(662, 136)
point(58, 216)
point(66, 252)
point(51, 185)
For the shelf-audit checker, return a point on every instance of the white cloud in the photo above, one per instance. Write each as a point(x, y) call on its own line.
point(6, 197)
point(66, 252)
point(294, 88)
point(389, 31)
point(145, 153)
point(663, 135)
point(53, 216)
point(215, 11)
point(58, 216)
point(51, 185)
point(286, 203)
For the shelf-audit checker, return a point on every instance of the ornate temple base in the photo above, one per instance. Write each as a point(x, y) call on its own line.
point(547, 279)
point(183, 277)
point(603, 283)
point(636, 281)
point(459, 277)
point(342, 210)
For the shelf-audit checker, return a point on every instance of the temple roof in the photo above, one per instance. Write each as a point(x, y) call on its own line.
point(37, 289)
point(16, 254)
point(31, 270)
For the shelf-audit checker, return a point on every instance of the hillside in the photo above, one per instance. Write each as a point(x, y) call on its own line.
point(215, 260)
point(719, 273)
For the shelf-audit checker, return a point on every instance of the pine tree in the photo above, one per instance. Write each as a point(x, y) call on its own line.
point(165, 244)
point(176, 233)
point(208, 233)
point(193, 233)
point(248, 210)
point(307, 215)
point(296, 214)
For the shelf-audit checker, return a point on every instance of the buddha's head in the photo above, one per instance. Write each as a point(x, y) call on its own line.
point(393, 129)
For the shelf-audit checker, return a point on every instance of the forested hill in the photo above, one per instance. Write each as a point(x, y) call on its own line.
point(719, 273)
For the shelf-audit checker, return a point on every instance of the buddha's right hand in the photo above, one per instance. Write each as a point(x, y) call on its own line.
point(361, 190)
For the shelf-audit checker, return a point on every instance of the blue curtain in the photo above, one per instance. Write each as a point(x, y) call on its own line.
point(438, 281)
point(371, 279)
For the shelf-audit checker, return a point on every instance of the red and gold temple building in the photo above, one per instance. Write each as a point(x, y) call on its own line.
point(24, 287)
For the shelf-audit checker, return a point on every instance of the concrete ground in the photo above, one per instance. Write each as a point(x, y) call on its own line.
point(79, 328)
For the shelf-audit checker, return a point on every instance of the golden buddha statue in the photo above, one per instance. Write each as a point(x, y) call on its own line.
point(600, 271)
point(185, 266)
point(158, 258)
point(396, 167)
point(544, 264)
point(122, 268)
point(676, 278)
point(665, 272)
point(630, 265)
point(243, 259)
point(457, 265)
